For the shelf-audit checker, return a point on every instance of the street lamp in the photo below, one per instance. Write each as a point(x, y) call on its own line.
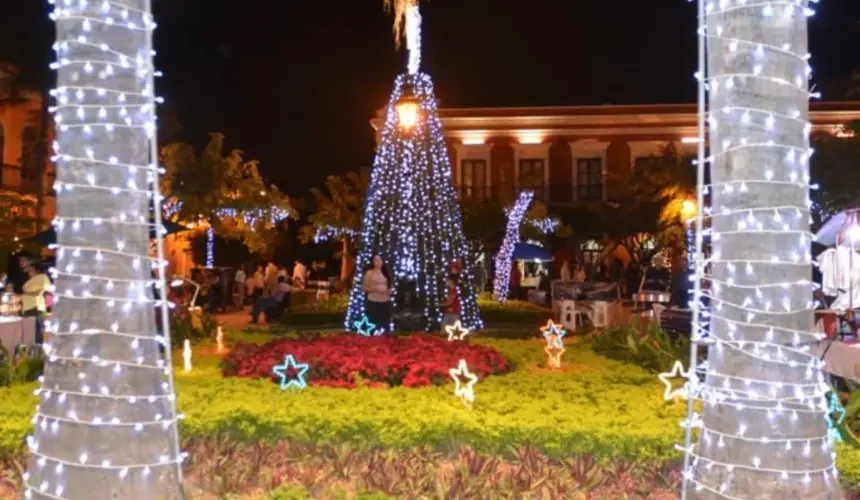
point(407, 108)
point(688, 210)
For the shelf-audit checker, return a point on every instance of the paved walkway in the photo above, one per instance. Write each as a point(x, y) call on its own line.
point(235, 320)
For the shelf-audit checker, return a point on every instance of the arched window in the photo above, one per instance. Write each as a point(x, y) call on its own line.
point(29, 154)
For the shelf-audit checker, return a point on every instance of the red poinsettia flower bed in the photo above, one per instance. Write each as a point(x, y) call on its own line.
point(384, 361)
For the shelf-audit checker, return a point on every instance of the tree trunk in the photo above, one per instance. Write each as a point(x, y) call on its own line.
point(106, 422)
point(344, 260)
point(764, 434)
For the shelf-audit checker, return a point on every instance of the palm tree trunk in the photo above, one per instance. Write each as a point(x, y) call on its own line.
point(764, 434)
point(106, 422)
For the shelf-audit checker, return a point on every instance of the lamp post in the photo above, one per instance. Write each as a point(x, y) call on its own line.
point(407, 108)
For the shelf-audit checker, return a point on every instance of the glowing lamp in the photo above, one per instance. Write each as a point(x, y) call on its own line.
point(186, 355)
point(407, 109)
point(688, 209)
point(219, 340)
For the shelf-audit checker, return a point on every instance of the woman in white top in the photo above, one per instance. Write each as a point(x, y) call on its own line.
point(377, 284)
point(33, 297)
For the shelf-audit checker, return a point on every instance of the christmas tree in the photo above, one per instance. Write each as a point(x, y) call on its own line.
point(412, 215)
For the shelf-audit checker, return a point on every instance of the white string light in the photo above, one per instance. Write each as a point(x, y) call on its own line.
point(106, 412)
point(504, 257)
point(762, 432)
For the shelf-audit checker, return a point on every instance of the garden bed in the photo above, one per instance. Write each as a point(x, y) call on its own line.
point(598, 426)
point(348, 360)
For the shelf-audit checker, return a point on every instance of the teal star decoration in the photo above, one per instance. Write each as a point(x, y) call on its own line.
point(836, 408)
point(366, 328)
point(282, 371)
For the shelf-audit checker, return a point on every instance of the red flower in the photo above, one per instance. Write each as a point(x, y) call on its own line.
point(415, 361)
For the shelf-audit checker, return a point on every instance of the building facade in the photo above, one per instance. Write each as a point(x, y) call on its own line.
point(25, 140)
point(568, 153)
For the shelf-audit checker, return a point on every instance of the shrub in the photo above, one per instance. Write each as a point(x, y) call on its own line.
point(22, 367)
point(647, 346)
point(339, 361)
point(183, 327)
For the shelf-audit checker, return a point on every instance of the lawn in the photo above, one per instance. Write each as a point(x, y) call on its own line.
point(596, 429)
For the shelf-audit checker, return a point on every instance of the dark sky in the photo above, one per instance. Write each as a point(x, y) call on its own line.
point(293, 83)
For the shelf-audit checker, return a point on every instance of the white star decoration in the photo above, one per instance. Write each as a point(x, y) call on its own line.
point(456, 331)
point(685, 391)
point(463, 391)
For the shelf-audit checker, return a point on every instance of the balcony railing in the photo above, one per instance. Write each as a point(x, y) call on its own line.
point(504, 194)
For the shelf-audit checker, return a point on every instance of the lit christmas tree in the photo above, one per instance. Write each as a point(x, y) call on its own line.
point(412, 215)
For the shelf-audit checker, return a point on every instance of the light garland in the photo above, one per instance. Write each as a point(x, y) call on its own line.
point(515, 214)
point(456, 332)
point(763, 431)
point(412, 217)
point(106, 380)
point(328, 233)
point(465, 391)
point(301, 370)
point(250, 217)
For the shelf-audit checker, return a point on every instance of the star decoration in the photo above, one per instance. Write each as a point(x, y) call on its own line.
point(836, 408)
point(456, 331)
point(463, 391)
point(554, 349)
point(552, 329)
point(301, 370)
point(677, 372)
point(365, 328)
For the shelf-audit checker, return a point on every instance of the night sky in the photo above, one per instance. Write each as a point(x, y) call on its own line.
point(294, 83)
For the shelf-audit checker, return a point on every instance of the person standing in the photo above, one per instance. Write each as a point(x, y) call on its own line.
point(377, 284)
point(239, 288)
point(33, 303)
point(258, 283)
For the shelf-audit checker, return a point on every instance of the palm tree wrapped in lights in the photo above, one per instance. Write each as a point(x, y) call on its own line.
point(106, 423)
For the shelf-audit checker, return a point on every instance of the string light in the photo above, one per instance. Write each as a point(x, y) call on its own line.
point(501, 283)
point(412, 217)
point(762, 431)
point(108, 377)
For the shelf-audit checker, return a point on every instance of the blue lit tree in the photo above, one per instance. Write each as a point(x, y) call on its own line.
point(412, 214)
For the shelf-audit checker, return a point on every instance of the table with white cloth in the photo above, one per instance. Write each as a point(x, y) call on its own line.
point(842, 359)
point(16, 330)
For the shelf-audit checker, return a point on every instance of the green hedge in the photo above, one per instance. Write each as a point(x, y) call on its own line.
point(512, 312)
point(594, 406)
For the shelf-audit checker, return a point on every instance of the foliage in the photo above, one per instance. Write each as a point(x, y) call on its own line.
point(201, 187)
point(22, 367)
point(352, 360)
point(337, 214)
point(183, 326)
point(592, 421)
point(330, 312)
point(17, 217)
point(852, 419)
point(647, 346)
point(833, 158)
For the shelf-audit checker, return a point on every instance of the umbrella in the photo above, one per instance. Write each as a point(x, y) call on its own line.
point(49, 237)
point(526, 251)
point(840, 222)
